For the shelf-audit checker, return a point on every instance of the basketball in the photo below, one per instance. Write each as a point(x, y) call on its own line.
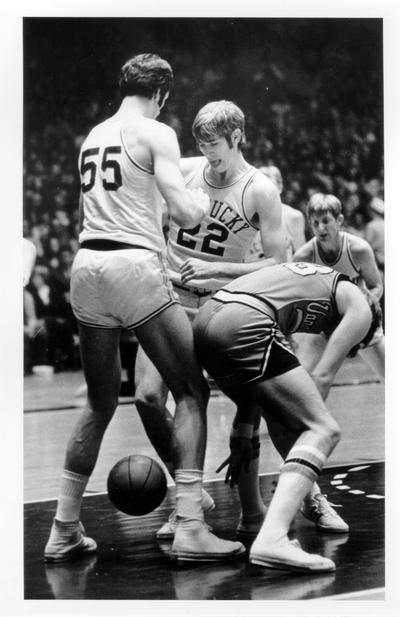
point(136, 485)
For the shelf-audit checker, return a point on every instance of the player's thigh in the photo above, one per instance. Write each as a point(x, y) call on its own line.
point(100, 357)
point(308, 348)
point(293, 399)
point(167, 340)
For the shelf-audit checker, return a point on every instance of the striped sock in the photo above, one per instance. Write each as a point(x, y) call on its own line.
point(305, 460)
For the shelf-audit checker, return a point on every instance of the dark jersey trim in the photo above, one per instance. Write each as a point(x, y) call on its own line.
point(132, 160)
point(243, 207)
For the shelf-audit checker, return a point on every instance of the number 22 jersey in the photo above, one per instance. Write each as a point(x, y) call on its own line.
point(120, 198)
point(224, 234)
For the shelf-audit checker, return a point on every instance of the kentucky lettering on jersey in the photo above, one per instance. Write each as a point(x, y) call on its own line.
point(224, 234)
point(227, 215)
point(300, 297)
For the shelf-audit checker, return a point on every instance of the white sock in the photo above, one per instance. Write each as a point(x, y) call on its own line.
point(72, 487)
point(189, 494)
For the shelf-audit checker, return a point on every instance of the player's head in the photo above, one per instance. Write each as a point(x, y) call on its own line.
point(219, 119)
point(145, 75)
point(324, 213)
point(273, 172)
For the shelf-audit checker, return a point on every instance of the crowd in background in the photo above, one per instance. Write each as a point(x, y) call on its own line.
point(299, 117)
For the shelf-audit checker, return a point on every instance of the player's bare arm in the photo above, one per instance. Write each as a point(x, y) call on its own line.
point(297, 227)
point(365, 259)
point(267, 213)
point(353, 327)
point(186, 207)
point(264, 209)
point(304, 253)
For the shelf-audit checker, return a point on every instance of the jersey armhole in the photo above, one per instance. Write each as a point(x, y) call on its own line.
point(243, 206)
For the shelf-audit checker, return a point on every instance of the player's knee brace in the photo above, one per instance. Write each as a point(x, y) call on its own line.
point(305, 460)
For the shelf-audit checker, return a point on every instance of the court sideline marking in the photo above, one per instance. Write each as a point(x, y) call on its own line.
point(212, 480)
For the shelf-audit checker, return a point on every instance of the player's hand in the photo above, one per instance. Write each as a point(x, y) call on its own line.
point(238, 460)
point(201, 199)
point(196, 269)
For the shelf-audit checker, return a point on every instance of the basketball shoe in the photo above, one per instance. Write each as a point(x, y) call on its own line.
point(288, 555)
point(167, 531)
point(316, 508)
point(68, 541)
point(193, 541)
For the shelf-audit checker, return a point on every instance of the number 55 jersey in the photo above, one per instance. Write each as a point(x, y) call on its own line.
point(120, 198)
point(224, 234)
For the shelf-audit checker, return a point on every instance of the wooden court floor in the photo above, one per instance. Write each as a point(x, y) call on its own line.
point(131, 565)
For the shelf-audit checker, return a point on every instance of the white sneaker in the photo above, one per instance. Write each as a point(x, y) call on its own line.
point(68, 541)
point(288, 555)
point(318, 510)
point(167, 531)
point(194, 542)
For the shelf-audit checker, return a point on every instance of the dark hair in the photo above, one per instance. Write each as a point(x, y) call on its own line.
point(144, 75)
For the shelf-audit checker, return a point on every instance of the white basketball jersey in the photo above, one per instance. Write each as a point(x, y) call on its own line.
point(256, 250)
point(121, 201)
point(224, 234)
point(343, 263)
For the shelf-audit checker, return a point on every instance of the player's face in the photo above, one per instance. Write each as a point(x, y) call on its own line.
point(325, 227)
point(218, 153)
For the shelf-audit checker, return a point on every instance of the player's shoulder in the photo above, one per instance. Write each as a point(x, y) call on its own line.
point(261, 187)
point(292, 214)
point(359, 247)
point(189, 164)
point(347, 293)
point(149, 130)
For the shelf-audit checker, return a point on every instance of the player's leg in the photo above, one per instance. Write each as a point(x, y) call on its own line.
point(308, 348)
point(374, 355)
point(150, 399)
point(299, 403)
point(101, 367)
point(168, 341)
point(253, 509)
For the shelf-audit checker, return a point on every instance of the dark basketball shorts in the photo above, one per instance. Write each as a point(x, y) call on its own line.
point(238, 344)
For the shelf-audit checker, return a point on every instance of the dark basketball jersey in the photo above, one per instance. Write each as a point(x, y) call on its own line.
point(300, 297)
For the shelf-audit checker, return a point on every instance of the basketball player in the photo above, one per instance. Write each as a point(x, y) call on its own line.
point(208, 255)
point(120, 280)
point(240, 340)
point(292, 221)
point(350, 255)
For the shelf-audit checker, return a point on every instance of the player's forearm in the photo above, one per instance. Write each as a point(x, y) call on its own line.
point(233, 270)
